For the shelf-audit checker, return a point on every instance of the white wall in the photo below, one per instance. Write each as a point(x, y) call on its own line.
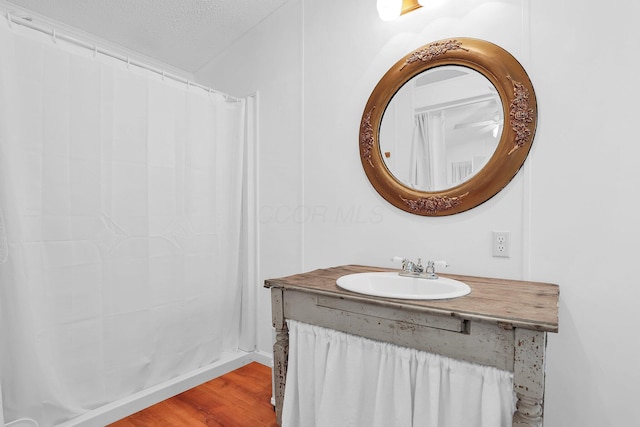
point(572, 210)
point(347, 50)
point(584, 208)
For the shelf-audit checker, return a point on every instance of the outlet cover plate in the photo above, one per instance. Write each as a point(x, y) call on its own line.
point(500, 243)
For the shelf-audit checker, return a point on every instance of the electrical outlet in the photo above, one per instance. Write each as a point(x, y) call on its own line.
point(500, 243)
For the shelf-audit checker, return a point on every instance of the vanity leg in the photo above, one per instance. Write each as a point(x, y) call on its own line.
point(280, 350)
point(528, 377)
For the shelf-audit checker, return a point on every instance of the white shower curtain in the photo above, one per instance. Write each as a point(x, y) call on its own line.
point(121, 194)
point(337, 379)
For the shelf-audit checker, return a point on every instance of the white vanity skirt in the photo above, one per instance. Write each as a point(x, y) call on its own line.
point(337, 379)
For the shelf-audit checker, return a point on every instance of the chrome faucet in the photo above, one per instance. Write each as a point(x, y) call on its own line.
point(415, 269)
point(411, 267)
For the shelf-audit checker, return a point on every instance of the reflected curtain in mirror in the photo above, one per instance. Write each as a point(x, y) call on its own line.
point(427, 137)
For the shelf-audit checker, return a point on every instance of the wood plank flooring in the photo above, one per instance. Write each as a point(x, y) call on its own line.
point(241, 398)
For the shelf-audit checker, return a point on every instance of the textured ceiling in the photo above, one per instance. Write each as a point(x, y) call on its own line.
point(185, 34)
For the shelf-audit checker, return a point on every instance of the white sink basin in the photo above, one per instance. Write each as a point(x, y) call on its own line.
point(392, 285)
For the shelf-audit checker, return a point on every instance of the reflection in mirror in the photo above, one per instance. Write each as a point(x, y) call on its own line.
point(441, 128)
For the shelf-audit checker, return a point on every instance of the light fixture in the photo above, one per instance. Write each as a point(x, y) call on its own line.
point(388, 10)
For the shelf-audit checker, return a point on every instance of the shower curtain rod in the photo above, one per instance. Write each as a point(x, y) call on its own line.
point(27, 22)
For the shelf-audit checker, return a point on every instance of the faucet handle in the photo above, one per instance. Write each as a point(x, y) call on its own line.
point(431, 268)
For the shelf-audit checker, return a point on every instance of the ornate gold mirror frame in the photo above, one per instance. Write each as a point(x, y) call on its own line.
point(520, 116)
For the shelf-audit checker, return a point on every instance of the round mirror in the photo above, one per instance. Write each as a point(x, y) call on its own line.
point(447, 127)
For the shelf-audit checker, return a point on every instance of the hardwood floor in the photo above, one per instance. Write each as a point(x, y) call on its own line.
point(241, 398)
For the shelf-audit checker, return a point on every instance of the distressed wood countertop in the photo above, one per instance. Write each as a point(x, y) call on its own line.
point(509, 303)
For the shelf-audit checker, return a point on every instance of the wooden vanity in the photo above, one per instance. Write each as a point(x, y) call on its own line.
point(501, 323)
